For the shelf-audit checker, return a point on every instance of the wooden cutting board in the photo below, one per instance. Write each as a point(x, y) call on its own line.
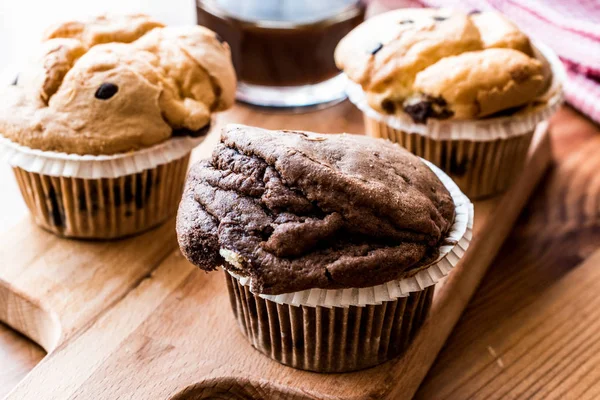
point(132, 319)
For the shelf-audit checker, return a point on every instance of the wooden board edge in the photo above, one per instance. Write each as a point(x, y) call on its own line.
point(41, 324)
point(48, 308)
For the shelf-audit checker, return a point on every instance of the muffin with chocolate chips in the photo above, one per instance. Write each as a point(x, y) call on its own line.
point(314, 230)
point(100, 124)
point(465, 91)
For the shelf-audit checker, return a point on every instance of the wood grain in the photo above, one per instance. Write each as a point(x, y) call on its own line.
point(18, 355)
point(548, 246)
point(174, 335)
point(50, 287)
point(531, 328)
point(540, 361)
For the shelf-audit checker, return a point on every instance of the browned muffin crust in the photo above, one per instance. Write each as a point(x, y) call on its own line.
point(299, 210)
point(441, 64)
point(117, 84)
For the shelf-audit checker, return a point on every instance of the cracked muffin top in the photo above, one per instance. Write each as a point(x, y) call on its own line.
point(116, 84)
point(442, 64)
point(299, 210)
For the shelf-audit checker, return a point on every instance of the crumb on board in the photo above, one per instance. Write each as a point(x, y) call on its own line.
point(493, 353)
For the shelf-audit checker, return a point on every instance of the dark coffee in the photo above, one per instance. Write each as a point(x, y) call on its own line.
point(280, 43)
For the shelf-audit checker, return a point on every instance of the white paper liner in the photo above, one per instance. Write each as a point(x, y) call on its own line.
point(460, 235)
point(94, 167)
point(477, 130)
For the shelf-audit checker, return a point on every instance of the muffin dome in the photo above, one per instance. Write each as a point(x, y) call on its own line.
point(117, 84)
point(406, 59)
point(299, 210)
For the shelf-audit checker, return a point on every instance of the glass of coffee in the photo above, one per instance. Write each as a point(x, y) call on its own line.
point(283, 49)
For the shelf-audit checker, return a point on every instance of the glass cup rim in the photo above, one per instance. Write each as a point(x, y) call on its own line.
point(343, 13)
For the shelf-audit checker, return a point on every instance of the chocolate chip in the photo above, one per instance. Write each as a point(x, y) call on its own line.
point(139, 198)
point(406, 21)
point(444, 114)
point(388, 106)
point(419, 112)
point(376, 48)
point(94, 204)
point(128, 194)
point(186, 132)
point(149, 185)
point(117, 195)
point(106, 91)
point(519, 75)
point(440, 101)
point(56, 209)
point(458, 165)
point(474, 12)
point(440, 18)
point(430, 107)
point(16, 81)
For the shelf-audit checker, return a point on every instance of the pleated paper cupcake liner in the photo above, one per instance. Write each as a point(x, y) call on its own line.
point(480, 168)
point(459, 238)
point(323, 339)
point(104, 196)
point(104, 208)
point(51, 163)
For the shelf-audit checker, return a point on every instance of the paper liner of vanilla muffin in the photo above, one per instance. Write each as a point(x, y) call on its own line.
point(104, 208)
point(458, 239)
point(57, 164)
point(101, 196)
point(485, 129)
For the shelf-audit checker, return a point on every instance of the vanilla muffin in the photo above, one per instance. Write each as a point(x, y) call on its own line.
point(498, 32)
point(88, 92)
point(426, 71)
point(125, 97)
point(408, 57)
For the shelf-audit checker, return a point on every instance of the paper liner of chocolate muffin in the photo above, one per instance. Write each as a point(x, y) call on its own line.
point(104, 196)
point(483, 156)
point(343, 330)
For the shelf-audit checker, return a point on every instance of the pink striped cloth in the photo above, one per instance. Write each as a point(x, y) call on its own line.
point(570, 27)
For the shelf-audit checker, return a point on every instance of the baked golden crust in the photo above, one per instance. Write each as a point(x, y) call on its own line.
point(481, 83)
point(195, 59)
point(498, 32)
point(432, 63)
point(104, 29)
point(82, 97)
point(409, 40)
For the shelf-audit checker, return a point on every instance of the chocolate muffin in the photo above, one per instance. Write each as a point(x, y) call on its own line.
point(298, 210)
point(290, 211)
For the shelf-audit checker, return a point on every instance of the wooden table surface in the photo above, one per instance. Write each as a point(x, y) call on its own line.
point(531, 328)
